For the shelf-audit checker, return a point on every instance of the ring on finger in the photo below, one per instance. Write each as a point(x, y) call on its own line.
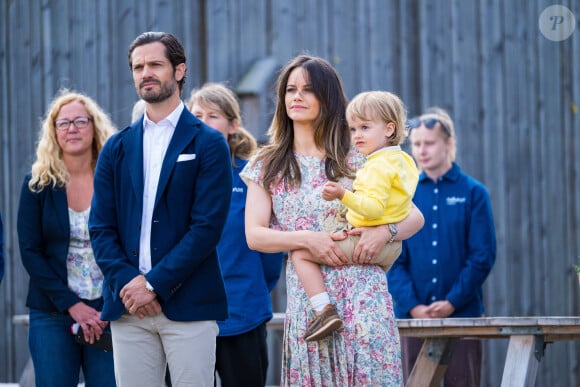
point(369, 257)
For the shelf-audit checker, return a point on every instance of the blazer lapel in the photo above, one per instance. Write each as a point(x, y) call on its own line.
point(184, 132)
point(133, 148)
point(61, 206)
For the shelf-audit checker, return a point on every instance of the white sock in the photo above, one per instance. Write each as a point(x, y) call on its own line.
point(319, 301)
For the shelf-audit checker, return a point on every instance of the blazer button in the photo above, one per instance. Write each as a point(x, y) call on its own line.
point(134, 252)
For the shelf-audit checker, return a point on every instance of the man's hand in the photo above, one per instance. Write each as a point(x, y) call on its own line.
point(135, 295)
point(149, 310)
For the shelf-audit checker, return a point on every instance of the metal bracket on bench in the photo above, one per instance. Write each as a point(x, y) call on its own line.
point(539, 347)
point(440, 350)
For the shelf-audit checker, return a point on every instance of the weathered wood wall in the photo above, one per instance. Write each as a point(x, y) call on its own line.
point(512, 92)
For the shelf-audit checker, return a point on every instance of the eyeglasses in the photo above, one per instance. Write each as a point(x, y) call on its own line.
point(429, 123)
point(79, 122)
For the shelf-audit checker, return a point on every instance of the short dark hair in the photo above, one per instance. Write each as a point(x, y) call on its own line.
point(174, 51)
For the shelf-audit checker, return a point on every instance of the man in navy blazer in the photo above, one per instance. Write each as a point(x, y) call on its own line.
point(162, 192)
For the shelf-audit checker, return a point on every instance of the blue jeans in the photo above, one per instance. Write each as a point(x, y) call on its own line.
point(58, 359)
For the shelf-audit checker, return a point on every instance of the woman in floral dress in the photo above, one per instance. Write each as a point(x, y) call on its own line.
point(310, 145)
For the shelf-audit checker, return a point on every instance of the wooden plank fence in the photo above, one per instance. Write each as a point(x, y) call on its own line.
point(513, 94)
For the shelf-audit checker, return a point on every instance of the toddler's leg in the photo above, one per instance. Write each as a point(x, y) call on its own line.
point(326, 319)
point(308, 272)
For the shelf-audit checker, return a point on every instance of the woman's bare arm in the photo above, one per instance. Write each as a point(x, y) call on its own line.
point(410, 225)
point(262, 238)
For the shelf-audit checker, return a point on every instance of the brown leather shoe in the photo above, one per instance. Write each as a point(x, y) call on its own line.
point(323, 324)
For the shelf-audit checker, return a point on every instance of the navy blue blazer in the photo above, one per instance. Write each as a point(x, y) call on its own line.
point(44, 235)
point(191, 206)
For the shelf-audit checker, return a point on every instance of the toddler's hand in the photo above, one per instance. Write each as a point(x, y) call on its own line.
point(332, 190)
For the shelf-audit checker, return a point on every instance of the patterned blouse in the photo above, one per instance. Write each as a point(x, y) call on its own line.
point(84, 276)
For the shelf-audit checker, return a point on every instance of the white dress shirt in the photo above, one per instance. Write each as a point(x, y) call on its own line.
point(156, 138)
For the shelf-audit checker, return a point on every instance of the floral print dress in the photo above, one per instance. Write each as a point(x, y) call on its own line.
point(366, 351)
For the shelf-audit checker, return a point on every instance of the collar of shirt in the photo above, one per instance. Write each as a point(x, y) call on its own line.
point(170, 120)
point(385, 149)
point(156, 139)
point(452, 174)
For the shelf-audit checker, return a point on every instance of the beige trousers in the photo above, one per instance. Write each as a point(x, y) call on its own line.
point(386, 257)
point(143, 348)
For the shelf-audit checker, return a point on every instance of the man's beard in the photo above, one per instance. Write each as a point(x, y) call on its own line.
point(166, 90)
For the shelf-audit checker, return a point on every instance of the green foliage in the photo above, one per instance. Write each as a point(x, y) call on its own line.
point(577, 269)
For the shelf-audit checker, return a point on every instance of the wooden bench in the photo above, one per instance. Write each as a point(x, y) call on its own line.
point(527, 336)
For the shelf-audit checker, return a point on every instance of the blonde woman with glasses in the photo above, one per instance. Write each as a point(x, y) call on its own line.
point(66, 284)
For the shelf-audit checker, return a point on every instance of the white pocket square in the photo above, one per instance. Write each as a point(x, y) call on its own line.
point(186, 157)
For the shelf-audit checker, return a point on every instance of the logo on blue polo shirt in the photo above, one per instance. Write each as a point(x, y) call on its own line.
point(453, 200)
point(238, 189)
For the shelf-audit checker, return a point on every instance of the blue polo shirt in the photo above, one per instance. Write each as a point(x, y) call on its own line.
point(249, 275)
point(452, 255)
